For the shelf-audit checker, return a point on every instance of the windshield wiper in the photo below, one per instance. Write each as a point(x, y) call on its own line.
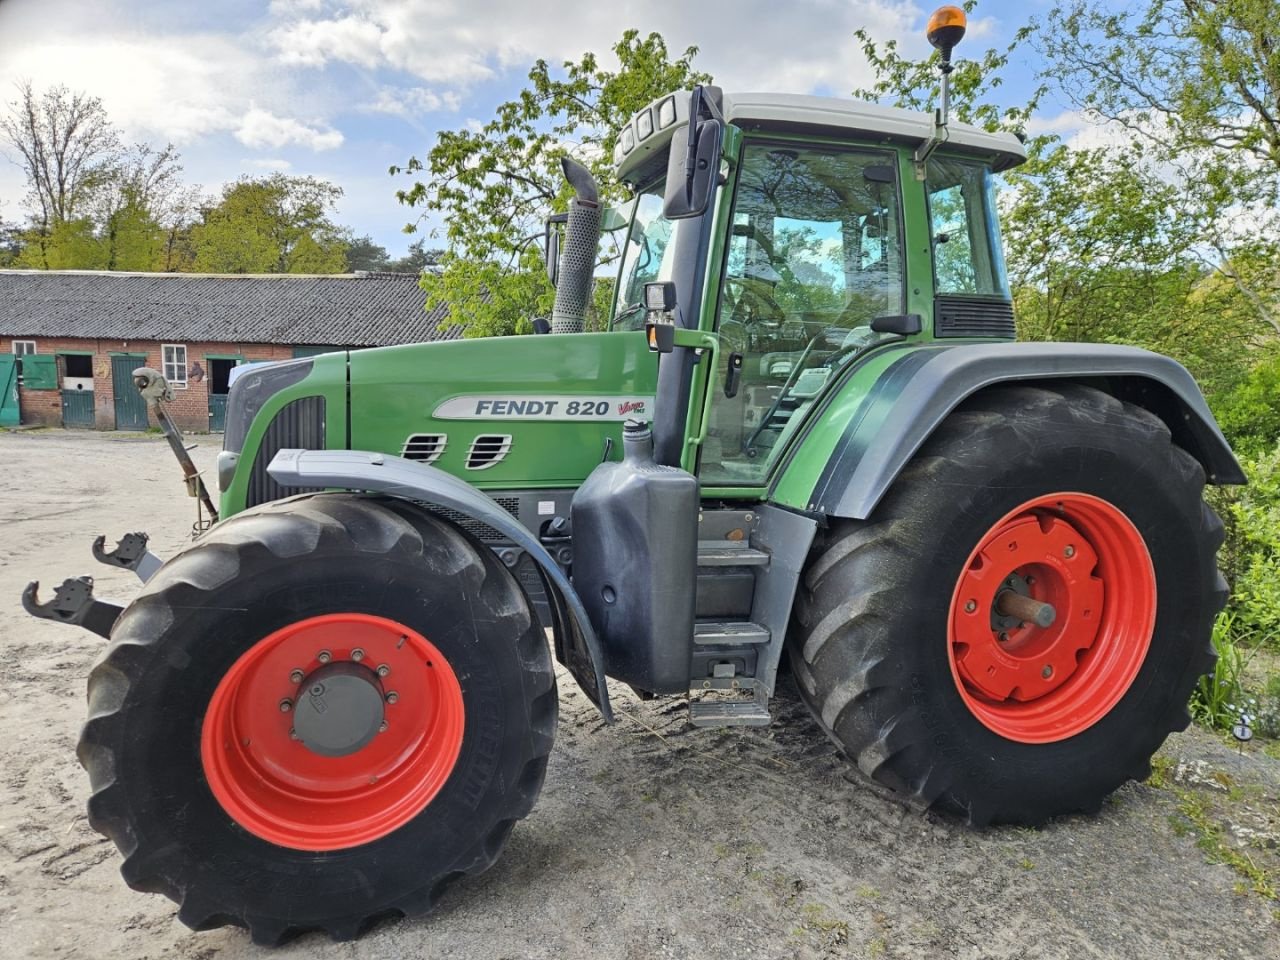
point(630, 310)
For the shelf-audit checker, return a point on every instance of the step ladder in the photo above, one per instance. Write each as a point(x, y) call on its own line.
point(727, 651)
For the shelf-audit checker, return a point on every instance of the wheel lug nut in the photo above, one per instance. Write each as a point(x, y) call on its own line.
point(324, 656)
point(383, 670)
point(392, 696)
point(296, 676)
point(1047, 672)
point(382, 727)
point(286, 705)
point(971, 606)
point(293, 734)
point(1069, 551)
point(1003, 636)
point(357, 654)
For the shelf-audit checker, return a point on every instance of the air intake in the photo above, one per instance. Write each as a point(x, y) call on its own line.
point(424, 447)
point(956, 315)
point(488, 450)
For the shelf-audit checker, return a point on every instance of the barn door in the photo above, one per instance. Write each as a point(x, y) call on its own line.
point(131, 410)
point(9, 415)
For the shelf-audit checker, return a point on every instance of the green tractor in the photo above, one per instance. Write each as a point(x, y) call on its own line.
point(807, 433)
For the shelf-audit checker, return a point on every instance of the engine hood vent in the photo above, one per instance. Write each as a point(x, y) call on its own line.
point(425, 447)
point(488, 450)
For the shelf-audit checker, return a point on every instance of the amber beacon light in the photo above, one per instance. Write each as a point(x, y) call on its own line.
point(946, 29)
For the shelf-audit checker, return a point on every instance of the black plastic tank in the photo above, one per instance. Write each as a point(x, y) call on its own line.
point(635, 557)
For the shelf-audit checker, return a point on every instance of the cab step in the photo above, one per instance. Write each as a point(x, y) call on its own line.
point(727, 553)
point(734, 634)
point(729, 713)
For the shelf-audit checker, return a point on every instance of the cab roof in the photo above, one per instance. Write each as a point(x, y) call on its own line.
point(826, 116)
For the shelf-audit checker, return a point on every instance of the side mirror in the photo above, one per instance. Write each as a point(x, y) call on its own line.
point(692, 170)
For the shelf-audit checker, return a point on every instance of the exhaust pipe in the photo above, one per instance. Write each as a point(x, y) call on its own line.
point(578, 256)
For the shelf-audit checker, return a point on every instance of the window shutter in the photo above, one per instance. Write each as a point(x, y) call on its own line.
point(40, 372)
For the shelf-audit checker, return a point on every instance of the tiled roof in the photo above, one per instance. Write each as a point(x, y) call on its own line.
point(362, 310)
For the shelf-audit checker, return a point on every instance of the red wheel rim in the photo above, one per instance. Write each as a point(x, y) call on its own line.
point(278, 789)
point(1087, 559)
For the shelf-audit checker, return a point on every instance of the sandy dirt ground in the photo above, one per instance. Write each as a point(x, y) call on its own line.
point(651, 839)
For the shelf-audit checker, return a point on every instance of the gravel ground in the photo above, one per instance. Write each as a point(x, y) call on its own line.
point(651, 839)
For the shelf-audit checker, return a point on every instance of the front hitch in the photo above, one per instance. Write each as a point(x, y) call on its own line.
point(73, 603)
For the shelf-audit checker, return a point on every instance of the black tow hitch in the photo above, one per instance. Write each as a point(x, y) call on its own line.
point(131, 553)
point(73, 603)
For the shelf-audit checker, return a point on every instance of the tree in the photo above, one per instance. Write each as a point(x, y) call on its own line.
point(275, 224)
point(495, 186)
point(65, 145)
point(364, 254)
point(417, 260)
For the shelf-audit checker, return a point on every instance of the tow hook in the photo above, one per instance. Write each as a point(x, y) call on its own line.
point(73, 603)
point(131, 553)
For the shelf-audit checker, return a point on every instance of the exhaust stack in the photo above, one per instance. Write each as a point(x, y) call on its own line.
point(578, 256)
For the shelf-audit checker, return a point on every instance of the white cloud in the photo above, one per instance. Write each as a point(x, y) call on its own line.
point(805, 45)
point(263, 129)
point(277, 164)
point(412, 101)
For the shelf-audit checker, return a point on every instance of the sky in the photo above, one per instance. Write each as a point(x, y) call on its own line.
point(343, 89)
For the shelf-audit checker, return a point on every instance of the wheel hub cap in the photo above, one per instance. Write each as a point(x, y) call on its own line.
point(338, 709)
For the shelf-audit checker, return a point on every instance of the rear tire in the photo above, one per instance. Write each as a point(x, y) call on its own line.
point(485, 719)
point(880, 648)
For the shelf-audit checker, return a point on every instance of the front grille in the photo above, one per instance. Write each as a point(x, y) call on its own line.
point(956, 315)
point(298, 426)
point(477, 529)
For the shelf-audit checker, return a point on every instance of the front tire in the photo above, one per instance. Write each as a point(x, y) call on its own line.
point(215, 769)
point(1069, 496)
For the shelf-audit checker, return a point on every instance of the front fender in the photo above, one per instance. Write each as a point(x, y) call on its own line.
point(576, 643)
point(913, 394)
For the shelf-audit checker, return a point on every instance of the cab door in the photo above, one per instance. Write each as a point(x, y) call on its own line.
point(813, 256)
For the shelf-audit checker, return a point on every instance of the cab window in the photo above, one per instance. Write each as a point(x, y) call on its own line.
point(967, 258)
point(814, 255)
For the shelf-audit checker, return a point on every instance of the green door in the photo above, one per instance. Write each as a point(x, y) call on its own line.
point(131, 411)
point(8, 390)
point(217, 412)
point(77, 408)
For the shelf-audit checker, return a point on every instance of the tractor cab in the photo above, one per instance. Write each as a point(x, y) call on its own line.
point(830, 227)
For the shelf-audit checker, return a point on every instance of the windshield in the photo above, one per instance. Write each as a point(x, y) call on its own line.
point(644, 257)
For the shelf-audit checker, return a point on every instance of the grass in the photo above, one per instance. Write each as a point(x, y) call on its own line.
point(1220, 698)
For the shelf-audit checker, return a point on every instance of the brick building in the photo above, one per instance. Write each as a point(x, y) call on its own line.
point(75, 336)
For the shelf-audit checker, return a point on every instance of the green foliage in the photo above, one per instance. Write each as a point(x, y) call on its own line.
point(1220, 698)
point(363, 254)
point(1249, 413)
point(1254, 550)
point(275, 224)
point(494, 186)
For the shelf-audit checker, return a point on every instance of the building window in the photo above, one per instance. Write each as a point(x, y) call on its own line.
point(22, 348)
point(175, 364)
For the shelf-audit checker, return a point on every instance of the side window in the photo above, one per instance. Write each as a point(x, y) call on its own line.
point(967, 257)
point(643, 256)
point(22, 348)
point(174, 356)
point(814, 255)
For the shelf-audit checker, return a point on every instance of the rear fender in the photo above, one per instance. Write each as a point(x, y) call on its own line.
point(915, 393)
point(577, 646)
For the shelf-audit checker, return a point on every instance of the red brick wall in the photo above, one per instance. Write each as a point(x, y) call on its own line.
point(190, 406)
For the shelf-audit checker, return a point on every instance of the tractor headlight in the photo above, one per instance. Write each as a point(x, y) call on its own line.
point(667, 112)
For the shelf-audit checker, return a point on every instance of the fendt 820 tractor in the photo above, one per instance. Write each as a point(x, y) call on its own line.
point(808, 432)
